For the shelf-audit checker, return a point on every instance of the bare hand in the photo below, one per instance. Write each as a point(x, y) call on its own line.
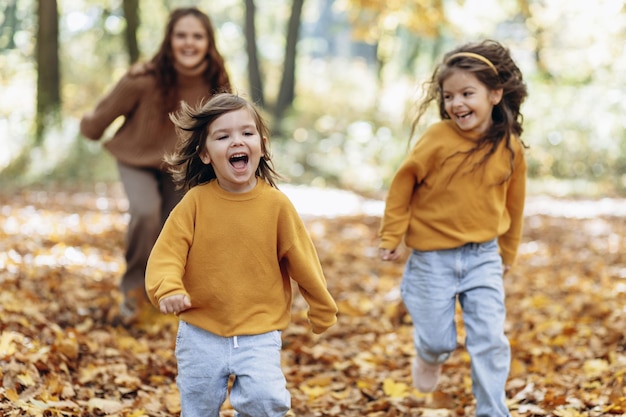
point(174, 304)
point(505, 269)
point(141, 68)
point(389, 254)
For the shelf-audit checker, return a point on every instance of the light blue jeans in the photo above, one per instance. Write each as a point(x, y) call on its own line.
point(430, 286)
point(205, 362)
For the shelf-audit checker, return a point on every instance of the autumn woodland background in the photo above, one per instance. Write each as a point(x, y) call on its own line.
point(338, 101)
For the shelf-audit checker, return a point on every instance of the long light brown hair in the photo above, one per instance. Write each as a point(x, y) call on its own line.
point(192, 126)
point(163, 61)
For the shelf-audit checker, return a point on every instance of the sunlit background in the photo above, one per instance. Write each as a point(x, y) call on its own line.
point(349, 124)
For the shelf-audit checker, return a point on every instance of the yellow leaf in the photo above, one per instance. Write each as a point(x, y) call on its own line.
point(395, 389)
point(594, 368)
point(68, 347)
point(361, 384)
point(89, 373)
point(137, 413)
point(7, 346)
point(353, 308)
point(517, 367)
point(26, 380)
point(313, 391)
point(127, 381)
point(172, 402)
point(11, 394)
point(561, 340)
point(567, 412)
point(132, 344)
point(341, 395)
point(158, 379)
point(320, 380)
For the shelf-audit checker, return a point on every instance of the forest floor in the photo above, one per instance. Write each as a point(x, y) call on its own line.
point(61, 256)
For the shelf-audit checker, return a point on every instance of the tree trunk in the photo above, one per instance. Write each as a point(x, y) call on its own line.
point(286, 93)
point(254, 73)
point(131, 14)
point(48, 73)
point(538, 35)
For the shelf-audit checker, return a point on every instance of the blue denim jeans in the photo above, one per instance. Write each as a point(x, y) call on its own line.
point(205, 362)
point(431, 283)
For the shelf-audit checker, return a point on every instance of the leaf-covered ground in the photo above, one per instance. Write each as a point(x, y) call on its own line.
point(61, 353)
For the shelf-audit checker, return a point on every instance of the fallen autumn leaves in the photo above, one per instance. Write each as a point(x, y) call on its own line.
point(61, 254)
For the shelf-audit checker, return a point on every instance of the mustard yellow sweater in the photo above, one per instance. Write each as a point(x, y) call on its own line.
point(439, 199)
point(233, 255)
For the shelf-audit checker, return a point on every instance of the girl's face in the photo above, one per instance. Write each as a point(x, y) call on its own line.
point(190, 42)
point(469, 102)
point(233, 148)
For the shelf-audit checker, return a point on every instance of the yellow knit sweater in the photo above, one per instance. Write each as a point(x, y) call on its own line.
point(440, 199)
point(233, 255)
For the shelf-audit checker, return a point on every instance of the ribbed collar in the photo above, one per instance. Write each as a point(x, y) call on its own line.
point(249, 195)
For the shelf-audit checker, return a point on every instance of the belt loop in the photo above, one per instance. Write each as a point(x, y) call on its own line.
point(235, 344)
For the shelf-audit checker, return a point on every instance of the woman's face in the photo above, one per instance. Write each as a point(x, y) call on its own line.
point(190, 42)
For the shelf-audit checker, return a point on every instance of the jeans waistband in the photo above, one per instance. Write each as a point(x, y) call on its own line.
point(478, 245)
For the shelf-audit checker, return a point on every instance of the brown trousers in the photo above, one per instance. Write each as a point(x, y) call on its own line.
point(151, 196)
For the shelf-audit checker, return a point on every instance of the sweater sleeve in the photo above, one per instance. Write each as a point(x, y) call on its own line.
point(515, 199)
point(304, 267)
point(120, 101)
point(168, 259)
point(398, 205)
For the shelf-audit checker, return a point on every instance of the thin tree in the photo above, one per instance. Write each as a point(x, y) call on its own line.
point(539, 36)
point(254, 73)
point(286, 93)
point(48, 72)
point(131, 14)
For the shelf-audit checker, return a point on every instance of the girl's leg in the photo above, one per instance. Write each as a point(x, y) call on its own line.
point(202, 371)
point(482, 299)
point(429, 288)
point(260, 388)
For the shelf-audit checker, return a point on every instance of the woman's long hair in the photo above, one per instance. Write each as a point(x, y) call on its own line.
point(163, 61)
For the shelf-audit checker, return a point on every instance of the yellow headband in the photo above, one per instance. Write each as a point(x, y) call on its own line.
point(475, 56)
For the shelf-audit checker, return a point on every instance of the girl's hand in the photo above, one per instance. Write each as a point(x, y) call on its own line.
point(505, 269)
point(389, 254)
point(174, 304)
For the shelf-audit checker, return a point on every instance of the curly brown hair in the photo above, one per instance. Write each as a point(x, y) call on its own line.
point(502, 74)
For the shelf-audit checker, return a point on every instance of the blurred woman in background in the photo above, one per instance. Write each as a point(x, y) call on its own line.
point(187, 67)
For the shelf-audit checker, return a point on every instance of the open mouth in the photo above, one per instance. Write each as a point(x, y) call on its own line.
point(239, 161)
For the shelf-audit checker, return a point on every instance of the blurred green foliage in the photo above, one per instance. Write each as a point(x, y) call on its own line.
point(350, 121)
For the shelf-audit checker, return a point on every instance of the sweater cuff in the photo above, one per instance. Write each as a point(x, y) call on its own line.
point(319, 328)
